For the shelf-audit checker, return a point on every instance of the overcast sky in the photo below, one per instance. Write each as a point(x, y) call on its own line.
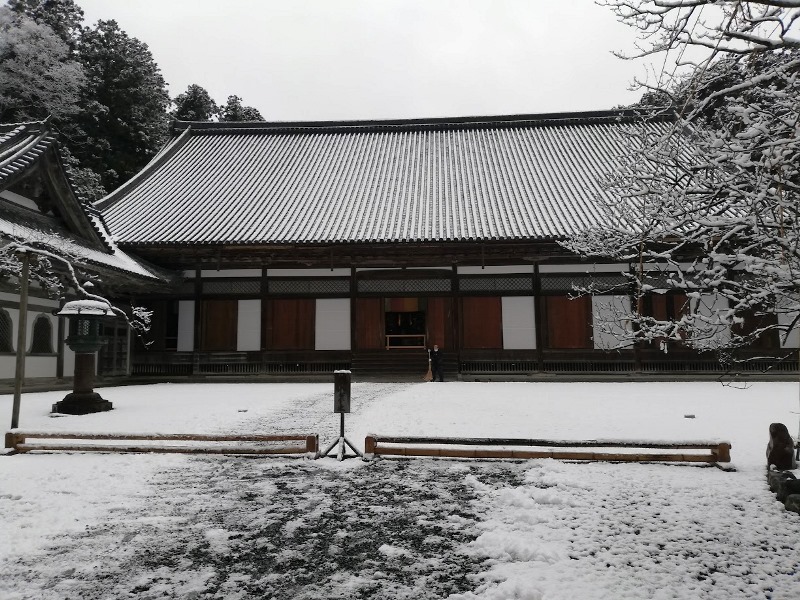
point(371, 59)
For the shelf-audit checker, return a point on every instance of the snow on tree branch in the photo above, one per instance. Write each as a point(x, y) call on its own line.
point(53, 268)
point(708, 210)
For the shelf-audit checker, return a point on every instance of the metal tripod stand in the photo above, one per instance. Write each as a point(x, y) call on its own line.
point(343, 443)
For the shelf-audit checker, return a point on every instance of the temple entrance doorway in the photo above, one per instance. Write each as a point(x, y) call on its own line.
point(405, 323)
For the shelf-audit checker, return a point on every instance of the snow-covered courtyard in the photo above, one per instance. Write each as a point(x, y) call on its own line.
point(184, 526)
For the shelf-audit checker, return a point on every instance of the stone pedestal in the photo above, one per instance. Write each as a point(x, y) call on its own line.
point(83, 399)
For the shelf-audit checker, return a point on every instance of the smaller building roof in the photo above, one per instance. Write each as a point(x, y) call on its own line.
point(29, 153)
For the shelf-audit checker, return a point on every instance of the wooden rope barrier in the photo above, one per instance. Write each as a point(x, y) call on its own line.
point(375, 445)
point(308, 443)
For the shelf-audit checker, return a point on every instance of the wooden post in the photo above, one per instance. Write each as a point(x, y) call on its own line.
point(723, 453)
point(12, 439)
point(19, 375)
point(538, 322)
point(369, 445)
point(60, 350)
point(312, 445)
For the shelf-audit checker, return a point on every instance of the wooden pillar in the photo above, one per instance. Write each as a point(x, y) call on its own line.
point(353, 294)
point(637, 304)
point(198, 318)
point(264, 304)
point(19, 375)
point(538, 323)
point(456, 315)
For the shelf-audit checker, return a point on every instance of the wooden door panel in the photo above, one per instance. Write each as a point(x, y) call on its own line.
point(482, 322)
point(369, 323)
point(292, 324)
point(569, 322)
point(439, 320)
point(218, 332)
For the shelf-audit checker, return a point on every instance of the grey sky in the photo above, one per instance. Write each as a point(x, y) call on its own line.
point(365, 59)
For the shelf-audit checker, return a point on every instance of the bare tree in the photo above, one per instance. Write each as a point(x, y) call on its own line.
point(710, 205)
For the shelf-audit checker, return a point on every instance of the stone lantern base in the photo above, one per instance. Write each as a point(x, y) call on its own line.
point(78, 403)
point(83, 399)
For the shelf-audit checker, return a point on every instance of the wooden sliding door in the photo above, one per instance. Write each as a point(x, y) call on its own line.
point(369, 324)
point(482, 322)
point(568, 322)
point(289, 323)
point(218, 321)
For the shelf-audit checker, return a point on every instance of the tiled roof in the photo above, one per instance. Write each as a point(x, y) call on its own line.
point(22, 146)
point(482, 178)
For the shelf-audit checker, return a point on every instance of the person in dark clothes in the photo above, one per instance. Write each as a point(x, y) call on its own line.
point(436, 364)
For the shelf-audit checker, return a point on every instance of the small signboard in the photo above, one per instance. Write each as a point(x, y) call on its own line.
point(341, 391)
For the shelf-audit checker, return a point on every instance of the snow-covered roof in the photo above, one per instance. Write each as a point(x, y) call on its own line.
point(20, 145)
point(31, 149)
point(479, 178)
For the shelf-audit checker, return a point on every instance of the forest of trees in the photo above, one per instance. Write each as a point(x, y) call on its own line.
point(101, 88)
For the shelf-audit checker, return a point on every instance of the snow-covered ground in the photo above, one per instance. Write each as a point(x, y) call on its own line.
point(176, 526)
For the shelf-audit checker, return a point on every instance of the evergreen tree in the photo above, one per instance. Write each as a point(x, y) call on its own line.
point(124, 110)
point(37, 76)
point(64, 17)
point(234, 111)
point(195, 104)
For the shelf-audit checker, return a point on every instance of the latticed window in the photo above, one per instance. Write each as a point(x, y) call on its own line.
point(237, 287)
point(419, 286)
point(568, 283)
point(317, 287)
point(42, 342)
point(6, 332)
point(509, 283)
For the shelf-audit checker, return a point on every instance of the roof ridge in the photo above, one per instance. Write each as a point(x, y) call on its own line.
point(489, 121)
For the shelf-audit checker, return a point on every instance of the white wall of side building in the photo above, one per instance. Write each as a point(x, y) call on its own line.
point(332, 324)
point(186, 325)
point(519, 322)
point(35, 366)
point(248, 326)
point(709, 305)
point(793, 339)
point(786, 319)
point(608, 326)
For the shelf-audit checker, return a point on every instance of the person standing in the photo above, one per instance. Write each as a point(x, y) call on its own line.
point(436, 364)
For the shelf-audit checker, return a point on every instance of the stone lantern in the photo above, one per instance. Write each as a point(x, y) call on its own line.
point(85, 318)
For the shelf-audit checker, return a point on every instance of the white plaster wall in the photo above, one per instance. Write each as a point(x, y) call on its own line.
point(793, 339)
point(443, 267)
point(494, 270)
point(248, 326)
point(35, 366)
point(585, 268)
point(519, 325)
point(308, 272)
point(226, 273)
point(69, 359)
point(8, 365)
point(332, 328)
point(708, 305)
point(185, 325)
point(40, 366)
point(606, 314)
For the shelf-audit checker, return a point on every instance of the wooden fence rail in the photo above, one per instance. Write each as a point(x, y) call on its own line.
point(380, 445)
point(305, 443)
